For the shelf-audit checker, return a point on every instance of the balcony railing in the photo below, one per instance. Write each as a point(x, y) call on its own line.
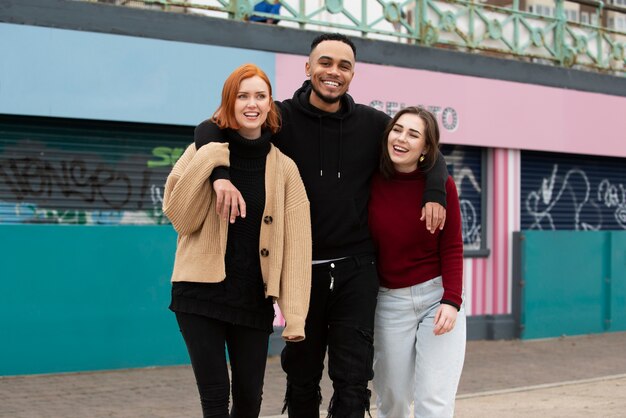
point(465, 25)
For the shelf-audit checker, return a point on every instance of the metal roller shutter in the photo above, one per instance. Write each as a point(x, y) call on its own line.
point(572, 192)
point(465, 166)
point(79, 172)
point(86, 172)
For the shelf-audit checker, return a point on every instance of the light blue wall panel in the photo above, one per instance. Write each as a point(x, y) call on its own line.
point(76, 298)
point(64, 73)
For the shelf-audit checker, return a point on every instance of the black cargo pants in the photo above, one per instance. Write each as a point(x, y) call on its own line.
point(340, 318)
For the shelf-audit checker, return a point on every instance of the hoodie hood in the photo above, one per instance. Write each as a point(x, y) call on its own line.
point(301, 101)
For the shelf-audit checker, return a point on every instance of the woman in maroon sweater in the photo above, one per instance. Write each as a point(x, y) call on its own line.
point(419, 332)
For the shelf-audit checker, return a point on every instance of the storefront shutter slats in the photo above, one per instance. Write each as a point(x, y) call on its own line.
point(85, 172)
point(572, 192)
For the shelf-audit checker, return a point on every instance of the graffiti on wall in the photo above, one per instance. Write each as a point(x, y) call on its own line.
point(76, 178)
point(45, 183)
point(467, 179)
point(613, 196)
point(570, 199)
point(165, 156)
point(11, 212)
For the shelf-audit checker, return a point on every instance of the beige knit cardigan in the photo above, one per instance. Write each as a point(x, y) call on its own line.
point(285, 239)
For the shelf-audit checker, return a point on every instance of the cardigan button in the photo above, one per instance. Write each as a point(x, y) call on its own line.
point(268, 219)
point(264, 252)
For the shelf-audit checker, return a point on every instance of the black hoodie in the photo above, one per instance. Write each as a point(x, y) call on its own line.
point(336, 153)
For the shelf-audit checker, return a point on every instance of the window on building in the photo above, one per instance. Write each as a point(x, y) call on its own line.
point(584, 17)
point(541, 10)
point(465, 165)
point(571, 15)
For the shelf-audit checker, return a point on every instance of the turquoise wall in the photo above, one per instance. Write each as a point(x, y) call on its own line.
point(76, 298)
point(574, 282)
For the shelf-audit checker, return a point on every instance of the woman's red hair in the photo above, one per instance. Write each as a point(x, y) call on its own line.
point(224, 116)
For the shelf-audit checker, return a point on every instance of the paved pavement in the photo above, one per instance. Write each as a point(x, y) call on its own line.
point(565, 377)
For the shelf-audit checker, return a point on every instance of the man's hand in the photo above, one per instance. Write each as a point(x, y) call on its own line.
point(230, 203)
point(445, 319)
point(435, 216)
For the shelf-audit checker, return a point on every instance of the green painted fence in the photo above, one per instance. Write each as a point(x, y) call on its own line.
point(467, 25)
point(571, 282)
point(76, 298)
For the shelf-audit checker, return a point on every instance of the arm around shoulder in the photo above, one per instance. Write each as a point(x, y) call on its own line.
point(207, 132)
point(187, 192)
point(435, 190)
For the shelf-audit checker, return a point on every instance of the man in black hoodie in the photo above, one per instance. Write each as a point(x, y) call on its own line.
point(336, 144)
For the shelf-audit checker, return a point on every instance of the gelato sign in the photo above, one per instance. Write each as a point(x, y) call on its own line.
point(447, 116)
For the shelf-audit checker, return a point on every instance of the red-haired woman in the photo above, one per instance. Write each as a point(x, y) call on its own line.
point(226, 276)
point(419, 328)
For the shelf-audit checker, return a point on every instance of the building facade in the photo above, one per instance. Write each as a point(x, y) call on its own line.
point(97, 102)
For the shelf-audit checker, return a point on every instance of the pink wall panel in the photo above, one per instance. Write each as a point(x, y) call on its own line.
point(486, 112)
point(500, 251)
point(488, 280)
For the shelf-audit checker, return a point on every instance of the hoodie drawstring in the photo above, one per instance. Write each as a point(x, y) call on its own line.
point(339, 150)
point(319, 143)
point(339, 147)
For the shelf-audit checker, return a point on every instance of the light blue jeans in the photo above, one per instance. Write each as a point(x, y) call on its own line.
point(411, 364)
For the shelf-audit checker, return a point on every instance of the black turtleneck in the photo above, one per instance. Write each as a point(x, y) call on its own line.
point(240, 298)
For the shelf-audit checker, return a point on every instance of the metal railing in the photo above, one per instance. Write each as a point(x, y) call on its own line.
point(460, 24)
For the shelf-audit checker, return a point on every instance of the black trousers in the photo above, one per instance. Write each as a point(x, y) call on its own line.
point(247, 351)
point(340, 319)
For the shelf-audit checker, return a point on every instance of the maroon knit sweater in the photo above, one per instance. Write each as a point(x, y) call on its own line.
point(407, 253)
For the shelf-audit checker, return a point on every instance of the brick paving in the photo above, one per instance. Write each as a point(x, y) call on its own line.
point(563, 377)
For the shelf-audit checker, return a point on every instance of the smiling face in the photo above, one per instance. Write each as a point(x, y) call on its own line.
point(331, 68)
point(252, 105)
point(406, 142)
